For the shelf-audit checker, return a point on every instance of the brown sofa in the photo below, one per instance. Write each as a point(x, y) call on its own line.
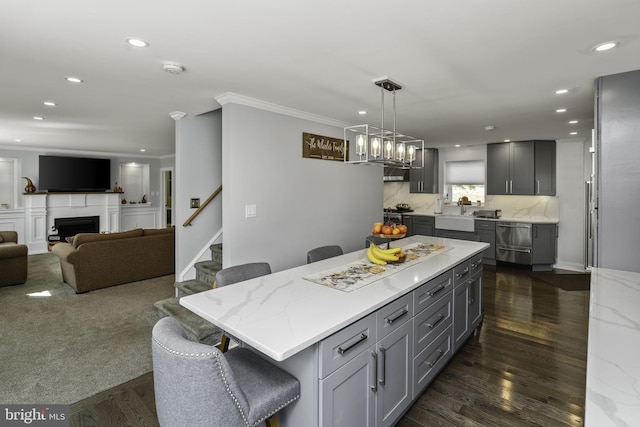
point(93, 260)
point(13, 259)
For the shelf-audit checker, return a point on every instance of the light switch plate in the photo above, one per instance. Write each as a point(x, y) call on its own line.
point(250, 211)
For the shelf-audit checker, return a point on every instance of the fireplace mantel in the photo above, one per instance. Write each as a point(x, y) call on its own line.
point(41, 209)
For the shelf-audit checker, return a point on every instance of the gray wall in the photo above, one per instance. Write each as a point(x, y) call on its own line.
point(198, 173)
point(301, 203)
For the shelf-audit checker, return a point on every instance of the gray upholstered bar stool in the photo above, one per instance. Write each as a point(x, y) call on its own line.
point(323, 252)
point(235, 274)
point(375, 239)
point(196, 385)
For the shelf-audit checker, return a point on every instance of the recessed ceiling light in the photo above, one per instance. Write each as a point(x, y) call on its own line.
point(142, 150)
point(573, 133)
point(507, 140)
point(49, 103)
point(73, 80)
point(573, 122)
point(457, 145)
point(137, 42)
point(17, 140)
point(489, 128)
point(562, 91)
point(561, 110)
point(38, 118)
point(605, 46)
point(362, 112)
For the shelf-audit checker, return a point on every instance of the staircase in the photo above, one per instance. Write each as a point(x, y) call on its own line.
point(197, 328)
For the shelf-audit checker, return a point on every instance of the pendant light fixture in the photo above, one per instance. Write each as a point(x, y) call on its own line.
point(382, 146)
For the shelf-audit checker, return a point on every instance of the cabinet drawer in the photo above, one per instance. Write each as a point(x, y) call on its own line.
point(393, 315)
point(431, 322)
point(484, 225)
point(424, 220)
point(475, 264)
point(461, 272)
point(344, 345)
point(431, 291)
point(430, 361)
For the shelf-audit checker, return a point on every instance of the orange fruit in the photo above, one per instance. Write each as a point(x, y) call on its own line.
point(377, 228)
point(402, 228)
point(386, 230)
point(395, 231)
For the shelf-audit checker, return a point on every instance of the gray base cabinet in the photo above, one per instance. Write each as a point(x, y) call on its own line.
point(373, 370)
point(346, 398)
point(544, 243)
point(419, 224)
point(486, 232)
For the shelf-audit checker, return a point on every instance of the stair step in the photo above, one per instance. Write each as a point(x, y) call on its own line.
point(216, 252)
point(206, 271)
point(197, 328)
point(190, 287)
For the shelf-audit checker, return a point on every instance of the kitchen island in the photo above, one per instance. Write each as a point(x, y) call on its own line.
point(363, 356)
point(613, 354)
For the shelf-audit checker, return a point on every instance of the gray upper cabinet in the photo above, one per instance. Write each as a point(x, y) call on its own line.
point(425, 180)
point(510, 168)
point(521, 168)
point(545, 168)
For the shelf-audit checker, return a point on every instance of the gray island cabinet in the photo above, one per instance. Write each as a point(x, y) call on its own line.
point(362, 357)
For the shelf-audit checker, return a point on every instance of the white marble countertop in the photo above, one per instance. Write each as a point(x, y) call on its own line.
point(613, 356)
point(281, 314)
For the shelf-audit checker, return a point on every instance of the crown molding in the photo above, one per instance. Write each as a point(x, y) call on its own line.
point(234, 98)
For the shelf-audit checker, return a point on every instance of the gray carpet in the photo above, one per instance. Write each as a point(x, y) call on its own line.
point(62, 348)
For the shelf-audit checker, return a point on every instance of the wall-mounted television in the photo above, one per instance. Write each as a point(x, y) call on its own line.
point(74, 174)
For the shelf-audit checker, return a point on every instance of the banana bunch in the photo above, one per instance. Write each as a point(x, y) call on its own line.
point(382, 256)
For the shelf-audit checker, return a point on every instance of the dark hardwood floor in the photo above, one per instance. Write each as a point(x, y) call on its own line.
point(525, 366)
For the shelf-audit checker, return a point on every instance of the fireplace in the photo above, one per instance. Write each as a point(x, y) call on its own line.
point(68, 227)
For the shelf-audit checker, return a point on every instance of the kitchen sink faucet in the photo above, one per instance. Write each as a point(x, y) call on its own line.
point(463, 210)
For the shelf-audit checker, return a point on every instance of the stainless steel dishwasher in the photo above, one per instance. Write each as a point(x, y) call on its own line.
point(513, 242)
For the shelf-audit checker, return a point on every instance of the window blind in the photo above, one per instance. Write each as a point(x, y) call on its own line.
point(464, 172)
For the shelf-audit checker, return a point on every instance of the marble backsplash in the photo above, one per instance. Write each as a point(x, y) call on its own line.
point(517, 207)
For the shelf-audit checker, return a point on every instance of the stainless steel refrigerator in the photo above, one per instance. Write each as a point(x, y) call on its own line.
point(615, 199)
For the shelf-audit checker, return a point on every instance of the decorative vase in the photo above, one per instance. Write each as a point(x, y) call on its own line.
point(30, 188)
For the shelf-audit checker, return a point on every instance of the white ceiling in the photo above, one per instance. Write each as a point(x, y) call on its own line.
point(464, 65)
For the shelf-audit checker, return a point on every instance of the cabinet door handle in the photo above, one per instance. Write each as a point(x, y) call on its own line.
point(437, 322)
point(476, 264)
point(436, 291)
point(538, 184)
point(462, 273)
point(374, 384)
point(506, 187)
point(361, 338)
point(383, 362)
point(511, 187)
point(390, 320)
point(433, 362)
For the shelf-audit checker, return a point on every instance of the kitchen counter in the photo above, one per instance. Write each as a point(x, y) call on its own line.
point(526, 219)
point(281, 314)
point(613, 355)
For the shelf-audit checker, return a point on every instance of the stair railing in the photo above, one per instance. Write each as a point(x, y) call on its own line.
point(202, 206)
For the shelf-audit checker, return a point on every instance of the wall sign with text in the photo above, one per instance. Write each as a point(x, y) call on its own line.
point(324, 147)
